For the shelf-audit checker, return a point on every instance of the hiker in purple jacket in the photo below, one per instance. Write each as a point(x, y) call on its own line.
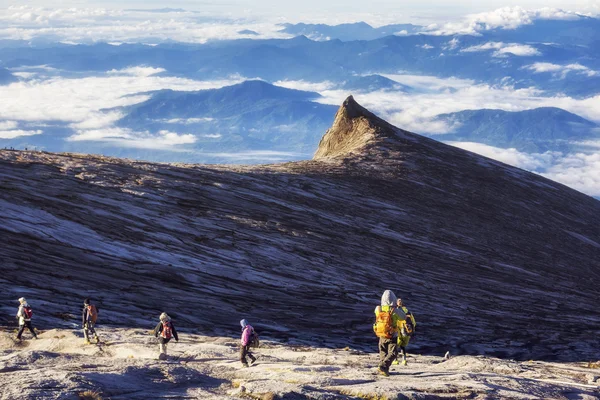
point(247, 336)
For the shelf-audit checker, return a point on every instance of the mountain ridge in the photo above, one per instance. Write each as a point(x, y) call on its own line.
point(466, 241)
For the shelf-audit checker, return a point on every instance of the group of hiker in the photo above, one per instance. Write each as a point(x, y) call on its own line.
point(164, 330)
point(394, 326)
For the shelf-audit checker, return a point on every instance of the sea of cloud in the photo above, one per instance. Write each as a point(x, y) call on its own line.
point(89, 105)
point(89, 25)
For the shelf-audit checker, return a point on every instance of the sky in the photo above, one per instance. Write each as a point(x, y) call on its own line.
point(331, 11)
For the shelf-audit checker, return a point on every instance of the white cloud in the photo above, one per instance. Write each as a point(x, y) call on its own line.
point(426, 47)
point(502, 18)
point(561, 71)
point(12, 134)
point(89, 25)
point(185, 121)
point(129, 138)
point(137, 71)
point(416, 111)
point(531, 162)
point(579, 171)
point(504, 48)
point(8, 125)
point(306, 86)
point(80, 101)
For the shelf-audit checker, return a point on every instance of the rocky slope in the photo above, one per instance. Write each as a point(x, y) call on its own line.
point(492, 259)
point(58, 366)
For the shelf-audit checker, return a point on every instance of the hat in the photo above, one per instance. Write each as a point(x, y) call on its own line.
point(165, 317)
point(22, 300)
point(86, 301)
point(243, 323)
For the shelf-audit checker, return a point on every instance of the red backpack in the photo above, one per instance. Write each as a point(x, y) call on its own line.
point(167, 330)
point(92, 313)
point(28, 312)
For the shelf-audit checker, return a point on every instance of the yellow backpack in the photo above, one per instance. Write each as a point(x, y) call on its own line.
point(384, 324)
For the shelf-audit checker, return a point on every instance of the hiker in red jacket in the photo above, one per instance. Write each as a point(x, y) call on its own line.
point(88, 321)
point(24, 315)
point(166, 330)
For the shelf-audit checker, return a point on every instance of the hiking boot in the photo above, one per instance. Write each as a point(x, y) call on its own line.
point(97, 339)
point(244, 365)
point(86, 341)
point(252, 360)
point(383, 371)
point(395, 362)
point(404, 362)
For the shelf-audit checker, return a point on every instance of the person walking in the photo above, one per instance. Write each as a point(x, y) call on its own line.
point(24, 314)
point(89, 317)
point(387, 321)
point(165, 331)
point(406, 330)
point(248, 335)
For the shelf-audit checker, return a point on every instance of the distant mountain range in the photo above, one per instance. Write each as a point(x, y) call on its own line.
point(470, 57)
point(533, 131)
point(347, 32)
point(371, 83)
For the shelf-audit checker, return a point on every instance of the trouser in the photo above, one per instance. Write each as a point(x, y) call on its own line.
point(89, 330)
point(403, 343)
point(388, 351)
point(162, 345)
point(22, 328)
point(245, 352)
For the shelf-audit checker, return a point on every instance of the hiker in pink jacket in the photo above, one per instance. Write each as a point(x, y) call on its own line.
point(248, 335)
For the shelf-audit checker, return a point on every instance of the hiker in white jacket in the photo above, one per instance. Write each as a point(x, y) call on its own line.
point(24, 315)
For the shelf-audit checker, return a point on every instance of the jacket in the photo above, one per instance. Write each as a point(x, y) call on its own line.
point(247, 335)
point(21, 314)
point(159, 328)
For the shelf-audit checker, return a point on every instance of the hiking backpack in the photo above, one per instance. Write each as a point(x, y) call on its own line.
point(408, 328)
point(28, 312)
point(167, 330)
point(254, 342)
point(384, 324)
point(92, 313)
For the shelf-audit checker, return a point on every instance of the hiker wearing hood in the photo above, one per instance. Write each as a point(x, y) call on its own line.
point(387, 321)
point(165, 330)
point(24, 315)
point(88, 321)
point(248, 335)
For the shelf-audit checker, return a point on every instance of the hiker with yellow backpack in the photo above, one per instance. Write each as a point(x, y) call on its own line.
point(406, 330)
point(387, 321)
point(89, 317)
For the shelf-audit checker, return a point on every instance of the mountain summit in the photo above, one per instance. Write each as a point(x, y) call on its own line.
point(353, 129)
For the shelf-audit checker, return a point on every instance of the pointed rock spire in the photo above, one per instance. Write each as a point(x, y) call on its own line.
point(353, 128)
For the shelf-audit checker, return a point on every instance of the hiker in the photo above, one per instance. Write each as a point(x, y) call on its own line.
point(166, 330)
point(387, 321)
point(406, 330)
point(24, 314)
point(248, 336)
point(89, 316)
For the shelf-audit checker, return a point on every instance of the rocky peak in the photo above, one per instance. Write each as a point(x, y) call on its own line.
point(353, 129)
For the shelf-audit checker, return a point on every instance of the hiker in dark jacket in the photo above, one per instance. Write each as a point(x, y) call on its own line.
point(89, 316)
point(165, 330)
point(246, 341)
point(24, 315)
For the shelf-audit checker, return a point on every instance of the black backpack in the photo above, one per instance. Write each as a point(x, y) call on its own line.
point(254, 342)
